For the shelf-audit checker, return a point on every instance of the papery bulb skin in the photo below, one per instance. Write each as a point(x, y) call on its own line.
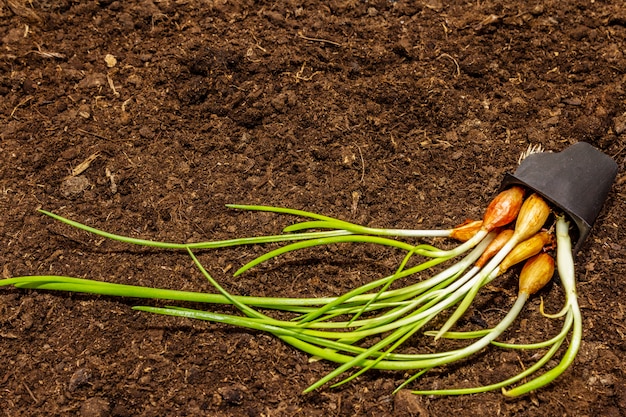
point(536, 273)
point(466, 231)
point(504, 208)
point(532, 216)
point(494, 247)
point(524, 250)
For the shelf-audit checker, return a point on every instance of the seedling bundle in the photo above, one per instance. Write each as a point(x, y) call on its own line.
point(532, 221)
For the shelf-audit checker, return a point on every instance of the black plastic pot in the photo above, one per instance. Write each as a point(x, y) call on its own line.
point(577, 180)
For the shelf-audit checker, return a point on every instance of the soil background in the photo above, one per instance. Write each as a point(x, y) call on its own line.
point(145, 118)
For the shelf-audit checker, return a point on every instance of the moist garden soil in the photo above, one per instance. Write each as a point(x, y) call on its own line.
point(145, 118)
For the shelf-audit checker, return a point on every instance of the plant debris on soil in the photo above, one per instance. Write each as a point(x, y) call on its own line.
point(145, 118)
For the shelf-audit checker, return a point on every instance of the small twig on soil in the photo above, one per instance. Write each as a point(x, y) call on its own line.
point(301, 35)
point(93, 134)
point(298, 75)
point(250, 52)
point(458, 69)
point(46, 54)
point(126, 103)
point(112, 85)
point(43, 54)
point(30, 393)
point(5, 275)
point(83, 166)
point(20, 104)
point(111, 178)
point(355, 201)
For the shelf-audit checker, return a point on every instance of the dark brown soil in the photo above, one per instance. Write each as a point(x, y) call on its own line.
point(387, 113)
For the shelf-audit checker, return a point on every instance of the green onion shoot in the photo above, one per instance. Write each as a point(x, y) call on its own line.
point(367, 327)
